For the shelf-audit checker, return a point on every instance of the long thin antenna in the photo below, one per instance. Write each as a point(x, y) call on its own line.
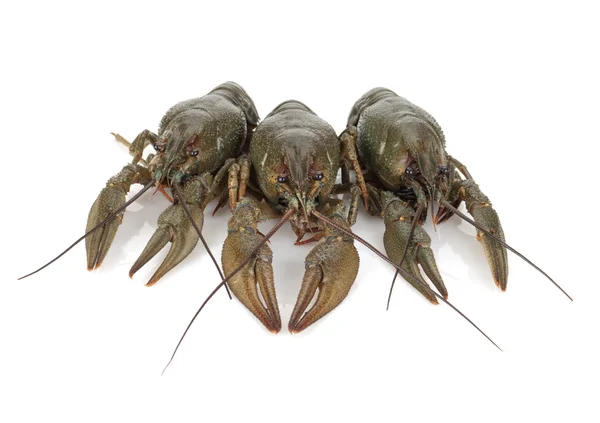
point(193, 222)
point(391, 288)
point(275, 228)
point(410, 234)
point(98, 226)
point(403, 272)
point(499, 241)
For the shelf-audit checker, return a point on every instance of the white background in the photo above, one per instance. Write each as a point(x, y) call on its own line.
point(515, 88)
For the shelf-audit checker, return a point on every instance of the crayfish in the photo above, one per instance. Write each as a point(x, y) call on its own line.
point(197, 141)
point(287, 166)
point(295, 158)
point(402, 153)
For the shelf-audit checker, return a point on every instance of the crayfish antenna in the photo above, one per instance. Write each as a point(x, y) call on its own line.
point(275, 228)
point(403, 272)
point(504, 244)
point(108, 219)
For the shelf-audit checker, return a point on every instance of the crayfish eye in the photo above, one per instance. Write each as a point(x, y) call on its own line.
point(282, 179)
point(159, 147)
point(318, 176)
point(194, 153)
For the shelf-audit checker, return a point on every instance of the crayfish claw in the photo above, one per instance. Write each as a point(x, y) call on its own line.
point(484, 214)
point(110, 199)
point(480, 207)
point(398, 218)
point(98, 243)
point(427, 261)
point(331, 268)
point(257, 274)
point(174, 226)
point(183, 239)
point(494, 252)
point(159, 239)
